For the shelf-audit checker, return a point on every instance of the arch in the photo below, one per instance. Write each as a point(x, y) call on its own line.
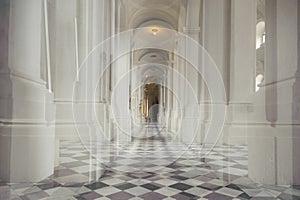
point(260, 34)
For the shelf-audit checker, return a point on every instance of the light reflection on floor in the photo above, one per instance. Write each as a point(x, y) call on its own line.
point(146, 169)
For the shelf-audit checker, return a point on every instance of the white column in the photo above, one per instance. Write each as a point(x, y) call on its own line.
point(216, 37)
point(274, 143)
point(26, 138)
point(242, 70)
point(193, 76)
point(170, 96)
point(99, 78)
point(122, 74)
point(192, 30)
point(65, 72)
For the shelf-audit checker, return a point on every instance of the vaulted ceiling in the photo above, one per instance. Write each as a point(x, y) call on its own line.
point(141, 13)
point(152, 21)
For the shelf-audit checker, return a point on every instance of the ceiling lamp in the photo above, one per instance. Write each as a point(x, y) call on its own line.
point(154, 31)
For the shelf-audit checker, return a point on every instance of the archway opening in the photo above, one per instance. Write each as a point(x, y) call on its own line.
point(151, 102)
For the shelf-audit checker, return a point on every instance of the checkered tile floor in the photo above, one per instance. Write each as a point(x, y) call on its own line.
point(135, 173)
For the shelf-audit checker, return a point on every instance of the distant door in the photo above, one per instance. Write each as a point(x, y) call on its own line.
point(151, 102)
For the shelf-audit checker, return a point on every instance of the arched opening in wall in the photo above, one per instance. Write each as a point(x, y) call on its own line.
point(260, 45)
point(151, 102)
point(260, 54)
point(260, 34)
point(258, 80)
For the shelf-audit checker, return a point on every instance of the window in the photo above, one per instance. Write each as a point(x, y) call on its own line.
point(260, 44)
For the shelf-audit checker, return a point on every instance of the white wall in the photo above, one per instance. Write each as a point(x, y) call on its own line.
point(26, 131)
point(274, 133)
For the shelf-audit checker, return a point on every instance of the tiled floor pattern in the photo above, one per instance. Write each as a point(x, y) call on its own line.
point(221, 175)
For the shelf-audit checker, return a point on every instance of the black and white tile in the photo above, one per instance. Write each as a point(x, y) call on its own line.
point(222, 174)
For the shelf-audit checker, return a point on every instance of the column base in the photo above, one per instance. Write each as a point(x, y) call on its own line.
point(274, 154)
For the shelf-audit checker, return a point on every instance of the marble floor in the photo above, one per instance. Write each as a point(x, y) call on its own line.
point(147, 169)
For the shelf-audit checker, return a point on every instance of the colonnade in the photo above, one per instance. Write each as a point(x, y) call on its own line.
point(33, 120)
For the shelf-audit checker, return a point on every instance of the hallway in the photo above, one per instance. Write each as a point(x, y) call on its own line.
point(149, 99)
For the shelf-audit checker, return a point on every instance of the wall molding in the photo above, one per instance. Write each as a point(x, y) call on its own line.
point(24, 76)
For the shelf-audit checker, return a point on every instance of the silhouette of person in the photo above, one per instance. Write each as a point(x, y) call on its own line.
point(155, 100)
